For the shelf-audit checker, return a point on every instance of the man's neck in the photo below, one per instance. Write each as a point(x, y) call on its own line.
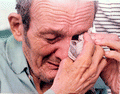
point(45, 86)
point(41, 87)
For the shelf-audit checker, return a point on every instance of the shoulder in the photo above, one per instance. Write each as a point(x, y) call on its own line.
point(11, 54)
point(3, 58)
point(5, 47)
point(2, 49)
point(2, 45)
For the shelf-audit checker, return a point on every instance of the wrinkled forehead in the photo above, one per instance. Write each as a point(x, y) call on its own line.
point(73, 12)
point(65, 5)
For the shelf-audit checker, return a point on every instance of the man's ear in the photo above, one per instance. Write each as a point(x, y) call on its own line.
point(16, 25)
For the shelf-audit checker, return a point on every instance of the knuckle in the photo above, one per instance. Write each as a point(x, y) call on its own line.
point(99, 49)
point(93, 75)
point(87, 61)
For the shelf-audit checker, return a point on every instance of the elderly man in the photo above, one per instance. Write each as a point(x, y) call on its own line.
point(36, 59)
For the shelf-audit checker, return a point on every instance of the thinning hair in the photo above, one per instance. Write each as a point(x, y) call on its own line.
point(23, 8)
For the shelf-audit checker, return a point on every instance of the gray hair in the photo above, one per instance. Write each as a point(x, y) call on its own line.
point(23, 8)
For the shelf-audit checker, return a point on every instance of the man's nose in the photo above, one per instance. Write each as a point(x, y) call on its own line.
point(63, 48)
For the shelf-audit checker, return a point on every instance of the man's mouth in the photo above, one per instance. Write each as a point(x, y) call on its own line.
point(53, 65)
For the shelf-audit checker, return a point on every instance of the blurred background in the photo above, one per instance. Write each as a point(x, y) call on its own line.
point(6, 7)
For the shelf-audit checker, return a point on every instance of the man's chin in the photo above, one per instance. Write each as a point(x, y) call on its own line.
point(49, 77)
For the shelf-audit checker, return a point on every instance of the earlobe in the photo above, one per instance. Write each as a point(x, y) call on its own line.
point(16, 25)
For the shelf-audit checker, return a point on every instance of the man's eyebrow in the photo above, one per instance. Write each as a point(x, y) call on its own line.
point(56, 32)
point(48, 32)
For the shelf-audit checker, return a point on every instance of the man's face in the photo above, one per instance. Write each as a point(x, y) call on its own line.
point(53, 24)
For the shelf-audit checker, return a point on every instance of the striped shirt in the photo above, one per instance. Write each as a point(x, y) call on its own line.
point(108, 17)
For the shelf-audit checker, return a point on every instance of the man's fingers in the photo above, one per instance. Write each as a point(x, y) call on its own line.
point(88, 49)
point(96, 59)
point(104, 36)
point(83, 61)
point(110, 43)
point(98, 54)
point(110, 40)
point(89, 45)
point(102, 65)
point(92, 74)
point(113, 54)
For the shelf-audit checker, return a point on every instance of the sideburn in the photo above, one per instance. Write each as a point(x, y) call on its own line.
point(26, 39)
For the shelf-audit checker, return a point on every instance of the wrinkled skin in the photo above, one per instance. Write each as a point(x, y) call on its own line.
point(53, 24)
point(79, 76)
point(111, 73)
point(53, 28)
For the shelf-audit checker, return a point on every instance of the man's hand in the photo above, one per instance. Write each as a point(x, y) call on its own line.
point(79, 76)
point(111, 73)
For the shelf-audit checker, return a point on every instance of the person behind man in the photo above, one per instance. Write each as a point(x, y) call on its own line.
point(107, 18)
point(36, 59)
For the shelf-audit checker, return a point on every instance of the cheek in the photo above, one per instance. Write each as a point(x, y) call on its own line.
point(41, 47)
point(38, 45)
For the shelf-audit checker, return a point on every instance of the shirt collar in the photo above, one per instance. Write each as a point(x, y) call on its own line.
point(15, 55)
